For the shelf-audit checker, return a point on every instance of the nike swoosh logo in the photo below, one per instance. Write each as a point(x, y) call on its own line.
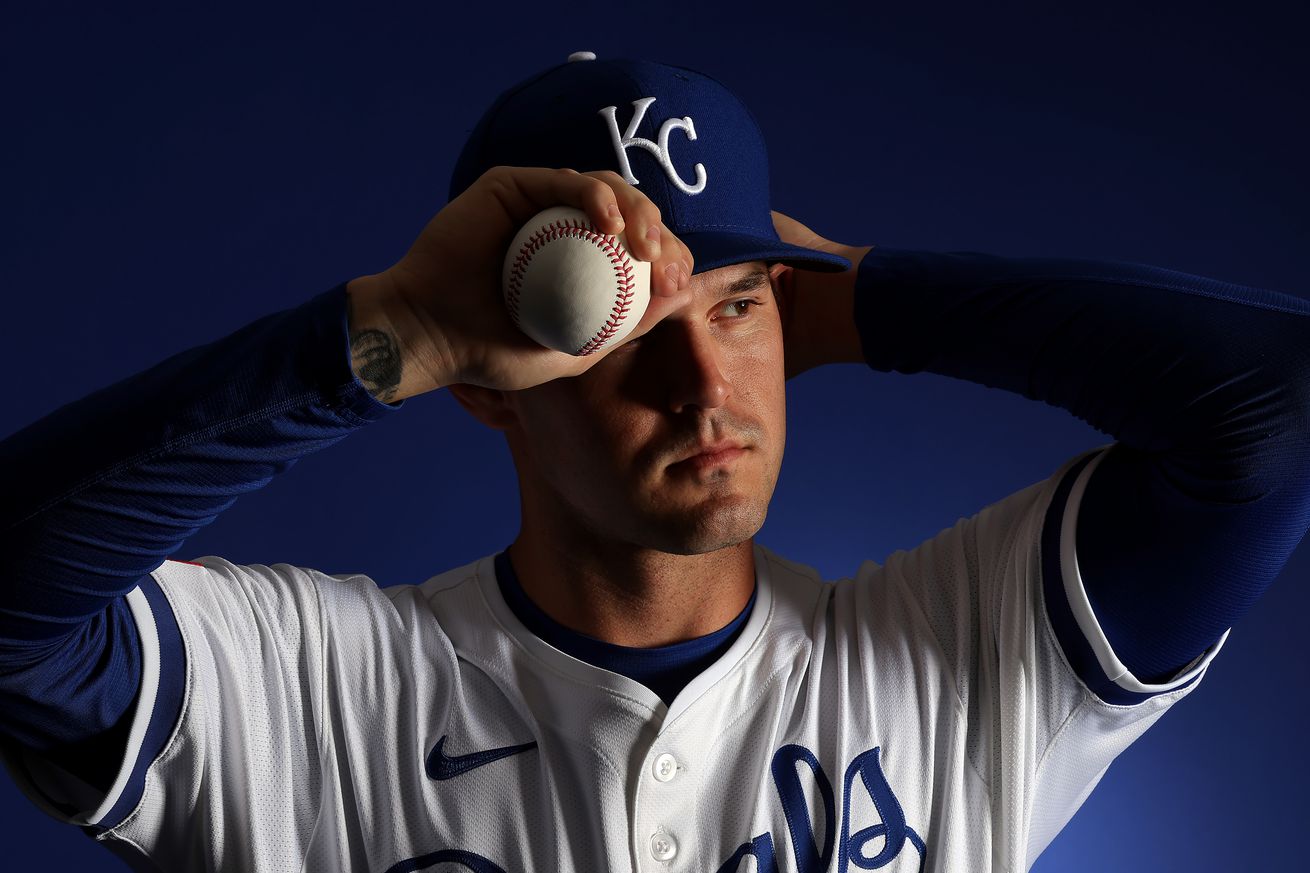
point(441, 766)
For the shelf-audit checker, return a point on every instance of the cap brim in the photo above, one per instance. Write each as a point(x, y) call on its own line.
point(714, 249)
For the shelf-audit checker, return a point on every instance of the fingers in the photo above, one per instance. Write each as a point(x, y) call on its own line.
point(640, 217)
point(792, 231)
point(675, 263)
point(522, 192)
point(648, 237)
point(525, 191)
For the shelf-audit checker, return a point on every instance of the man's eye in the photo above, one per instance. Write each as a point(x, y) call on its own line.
point(745, 304)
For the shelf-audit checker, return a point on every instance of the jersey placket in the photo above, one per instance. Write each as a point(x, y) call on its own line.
point(664, 809)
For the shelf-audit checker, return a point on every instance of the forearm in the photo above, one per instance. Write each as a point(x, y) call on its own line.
point(100, 491)
point(1205, 386)
point(1165, 362)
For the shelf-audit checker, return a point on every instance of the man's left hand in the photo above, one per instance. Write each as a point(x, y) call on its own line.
point(817, 309)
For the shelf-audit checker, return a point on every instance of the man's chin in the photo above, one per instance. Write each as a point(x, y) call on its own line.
point(711, 526)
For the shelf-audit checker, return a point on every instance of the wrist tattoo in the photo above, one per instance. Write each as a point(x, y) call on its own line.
point(376, 360)
point(374, 356)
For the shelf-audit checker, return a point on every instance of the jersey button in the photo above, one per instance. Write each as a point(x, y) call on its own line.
point(665, 767)
point(662, 846)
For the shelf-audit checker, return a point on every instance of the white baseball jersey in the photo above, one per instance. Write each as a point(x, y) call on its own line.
point(919, 715)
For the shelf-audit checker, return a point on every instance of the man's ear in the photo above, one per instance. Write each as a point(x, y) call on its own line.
point(778, 271)
point(487, 405)
point(780, 276)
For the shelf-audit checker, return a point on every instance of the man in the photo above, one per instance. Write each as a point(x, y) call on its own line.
point(635, 683)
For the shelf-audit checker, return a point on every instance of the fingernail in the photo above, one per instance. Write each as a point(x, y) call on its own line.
point(653, 234)
point(674, 272)
point(614, 213)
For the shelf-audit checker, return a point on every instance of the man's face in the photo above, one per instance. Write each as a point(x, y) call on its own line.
point(604, 452)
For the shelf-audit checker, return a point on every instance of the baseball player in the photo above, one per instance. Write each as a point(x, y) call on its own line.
point(635, 683)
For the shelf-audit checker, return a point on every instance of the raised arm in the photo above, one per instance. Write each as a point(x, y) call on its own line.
point(84, 521)
point(1205, 385)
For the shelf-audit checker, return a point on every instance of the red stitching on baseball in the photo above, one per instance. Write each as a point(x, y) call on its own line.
point(609, 245)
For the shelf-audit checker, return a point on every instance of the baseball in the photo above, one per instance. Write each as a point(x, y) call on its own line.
point(571, 287)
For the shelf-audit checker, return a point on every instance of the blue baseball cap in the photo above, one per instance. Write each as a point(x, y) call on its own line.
point(679, 136)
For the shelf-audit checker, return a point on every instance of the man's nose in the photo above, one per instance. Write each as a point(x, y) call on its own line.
point(696, 368)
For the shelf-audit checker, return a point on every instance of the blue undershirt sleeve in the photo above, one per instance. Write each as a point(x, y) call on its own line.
point(1204, 385)
point(102, 490)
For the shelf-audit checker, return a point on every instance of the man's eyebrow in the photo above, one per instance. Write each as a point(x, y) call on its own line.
point(749, 282)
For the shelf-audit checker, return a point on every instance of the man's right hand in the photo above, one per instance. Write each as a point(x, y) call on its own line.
point(443, 299)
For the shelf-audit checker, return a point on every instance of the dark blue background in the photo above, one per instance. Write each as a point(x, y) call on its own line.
point(169, 177)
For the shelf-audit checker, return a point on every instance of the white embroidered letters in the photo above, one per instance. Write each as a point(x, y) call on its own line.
point(661, 151)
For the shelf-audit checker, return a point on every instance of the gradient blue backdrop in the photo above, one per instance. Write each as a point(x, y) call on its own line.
point(169, 177)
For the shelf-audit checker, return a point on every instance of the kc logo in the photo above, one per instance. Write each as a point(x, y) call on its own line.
point(624, 141)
